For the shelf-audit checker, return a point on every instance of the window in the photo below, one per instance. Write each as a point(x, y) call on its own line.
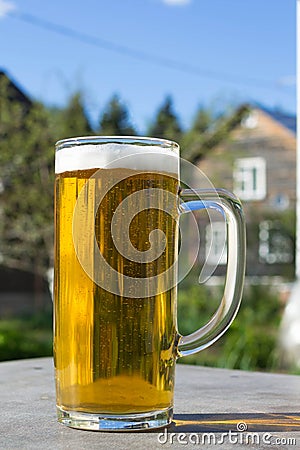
point(250, 178)
point(275, 246)
point(216, 247)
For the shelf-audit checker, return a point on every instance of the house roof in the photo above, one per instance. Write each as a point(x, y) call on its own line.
point(260, 123)
point(289, 121)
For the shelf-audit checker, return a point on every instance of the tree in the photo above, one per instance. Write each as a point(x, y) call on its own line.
point(208, 131)
point(26, 185)
point(166, 124)
point(72, 121)
point(115, 120)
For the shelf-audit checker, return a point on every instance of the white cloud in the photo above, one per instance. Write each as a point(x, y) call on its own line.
point(6, 7)
point(176, 2)
point(287, 80)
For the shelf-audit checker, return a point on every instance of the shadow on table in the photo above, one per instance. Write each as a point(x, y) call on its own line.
point(236, 422)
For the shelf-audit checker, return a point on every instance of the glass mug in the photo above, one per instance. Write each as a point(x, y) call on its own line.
point(117, 205)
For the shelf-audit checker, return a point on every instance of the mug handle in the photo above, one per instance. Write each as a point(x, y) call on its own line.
point(231, 208)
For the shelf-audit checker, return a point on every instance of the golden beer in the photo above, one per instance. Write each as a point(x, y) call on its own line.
point(113, 353)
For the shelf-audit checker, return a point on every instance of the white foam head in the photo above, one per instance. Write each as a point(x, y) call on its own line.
point(127, 155)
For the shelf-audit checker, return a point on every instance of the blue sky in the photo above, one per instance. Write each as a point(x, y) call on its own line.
point(209, 52)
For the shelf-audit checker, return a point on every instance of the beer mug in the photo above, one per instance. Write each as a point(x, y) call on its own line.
point(117, 208)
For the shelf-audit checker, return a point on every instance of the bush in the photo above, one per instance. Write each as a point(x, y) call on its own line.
point(249, 344)
point(26, 337)
point(251, 341)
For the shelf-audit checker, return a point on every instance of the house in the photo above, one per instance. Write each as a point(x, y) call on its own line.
point(258, 164)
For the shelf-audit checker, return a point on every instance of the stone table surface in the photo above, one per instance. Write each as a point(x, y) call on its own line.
point(214, 408)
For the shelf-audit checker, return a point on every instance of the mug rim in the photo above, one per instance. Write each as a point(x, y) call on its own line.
point(126, 140)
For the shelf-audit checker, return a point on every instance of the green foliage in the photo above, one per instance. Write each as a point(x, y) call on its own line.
point(26, 338)
point(26, 195)
point(166, 123)
point(72, 121)
point(208, 131)
point(249, 344)
point(251, 341)
point(115, 120)
point(194, 138)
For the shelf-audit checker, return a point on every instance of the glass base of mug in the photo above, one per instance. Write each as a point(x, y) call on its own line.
point(111, 422)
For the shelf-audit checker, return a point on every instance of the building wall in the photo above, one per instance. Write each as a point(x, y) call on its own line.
point(271, 218)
